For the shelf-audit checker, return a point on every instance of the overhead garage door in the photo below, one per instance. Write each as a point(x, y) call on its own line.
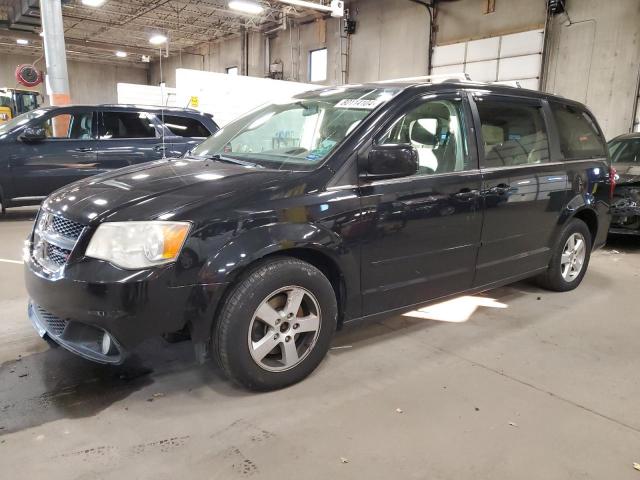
point(506, 58)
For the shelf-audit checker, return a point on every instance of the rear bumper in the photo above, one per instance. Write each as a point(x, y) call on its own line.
point(93, 298)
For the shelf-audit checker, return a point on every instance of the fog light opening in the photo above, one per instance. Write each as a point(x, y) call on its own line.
point(107, 344)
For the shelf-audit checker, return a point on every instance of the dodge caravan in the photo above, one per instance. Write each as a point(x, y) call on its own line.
point(335, 205)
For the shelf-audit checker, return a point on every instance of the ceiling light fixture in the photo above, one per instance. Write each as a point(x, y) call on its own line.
point(157, 39)
point(336, 9)
point(121, 54)
point(22, 41)
point(93, 3)
point(246, 6)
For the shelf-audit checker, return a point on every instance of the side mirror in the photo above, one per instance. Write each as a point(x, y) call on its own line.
point(390, 161)
point(33, 135)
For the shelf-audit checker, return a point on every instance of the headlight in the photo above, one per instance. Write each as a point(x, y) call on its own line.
point(135, 245)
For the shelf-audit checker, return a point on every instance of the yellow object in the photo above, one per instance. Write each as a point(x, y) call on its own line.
point(174, 236)
point(195, 102)
point(5, 114)
point(14, 102)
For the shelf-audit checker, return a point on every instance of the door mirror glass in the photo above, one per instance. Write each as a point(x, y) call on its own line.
point(33, 134)
point(391, 161)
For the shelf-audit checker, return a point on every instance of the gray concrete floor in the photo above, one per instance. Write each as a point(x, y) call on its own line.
point(535, 385)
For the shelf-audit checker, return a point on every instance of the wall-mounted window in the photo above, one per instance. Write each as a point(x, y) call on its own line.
point(318, 65)
point(232, 71)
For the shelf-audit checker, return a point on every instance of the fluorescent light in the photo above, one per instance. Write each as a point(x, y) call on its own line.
point(246, 6)
point(22, 41)
point(307, 4)
point(157, 39)
point(93, 3)
point(121, 54)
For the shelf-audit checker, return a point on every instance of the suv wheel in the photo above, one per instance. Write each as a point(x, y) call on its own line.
point(276, 325)
point(570, 259)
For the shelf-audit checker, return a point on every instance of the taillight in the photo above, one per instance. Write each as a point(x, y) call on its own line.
point(613, 179)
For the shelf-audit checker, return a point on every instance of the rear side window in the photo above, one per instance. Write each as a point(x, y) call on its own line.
point(185, 127)
point(514, 134)
point(126, 125)
point(579, 135)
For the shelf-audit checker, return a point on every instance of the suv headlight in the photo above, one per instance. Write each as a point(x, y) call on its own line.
point(135, 245)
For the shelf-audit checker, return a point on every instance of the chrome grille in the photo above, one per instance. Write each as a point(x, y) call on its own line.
point(56, 254)
point(66, 228)
point(54, 238)
point(54, 325)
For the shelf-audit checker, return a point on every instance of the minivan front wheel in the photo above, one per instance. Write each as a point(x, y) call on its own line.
point(276, 325)
point(570, 259)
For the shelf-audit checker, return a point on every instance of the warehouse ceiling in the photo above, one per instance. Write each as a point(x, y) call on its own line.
point(95, 33)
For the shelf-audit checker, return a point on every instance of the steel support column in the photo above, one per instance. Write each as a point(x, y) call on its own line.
point(57, 80)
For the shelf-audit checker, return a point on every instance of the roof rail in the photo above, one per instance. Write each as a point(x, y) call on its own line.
point(508, 83)
point(440, 78)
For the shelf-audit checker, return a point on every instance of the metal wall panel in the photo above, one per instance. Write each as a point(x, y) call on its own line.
point(485, 49)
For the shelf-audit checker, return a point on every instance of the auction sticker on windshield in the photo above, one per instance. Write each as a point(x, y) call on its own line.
point(357, 103)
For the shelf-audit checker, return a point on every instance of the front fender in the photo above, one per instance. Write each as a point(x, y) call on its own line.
point(241, 251)
point(257, 243)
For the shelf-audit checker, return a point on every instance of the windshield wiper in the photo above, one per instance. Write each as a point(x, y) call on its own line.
point(219, 158)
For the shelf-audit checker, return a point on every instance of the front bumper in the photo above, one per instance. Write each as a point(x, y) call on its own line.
point(91, 298)
point(84, 340)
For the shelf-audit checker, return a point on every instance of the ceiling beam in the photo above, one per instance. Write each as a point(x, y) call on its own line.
point(112, 47)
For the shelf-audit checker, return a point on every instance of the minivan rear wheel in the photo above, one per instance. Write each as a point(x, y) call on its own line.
point(570, 258)
point(276, 325)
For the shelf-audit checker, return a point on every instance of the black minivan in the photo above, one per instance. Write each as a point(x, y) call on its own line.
point(339, 204)
point(47, 148)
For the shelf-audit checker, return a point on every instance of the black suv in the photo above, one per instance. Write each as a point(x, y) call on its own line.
point(50, 147)
point(339, 204)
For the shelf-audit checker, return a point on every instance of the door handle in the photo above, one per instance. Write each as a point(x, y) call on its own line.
point(160, 148)
point(466, 194)
point(501, 189)
point(84, 149)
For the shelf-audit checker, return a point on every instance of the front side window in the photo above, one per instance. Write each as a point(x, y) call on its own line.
point(513, 134)
point(435, 129)
point(185, 127)
point(296, 134)
point(579, 135)
point(625, 151)
point(72, 126)
point(116, 125)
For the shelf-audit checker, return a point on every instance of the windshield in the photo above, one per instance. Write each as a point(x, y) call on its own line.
point(20, 120)
point(297, 134)
point(625, 151)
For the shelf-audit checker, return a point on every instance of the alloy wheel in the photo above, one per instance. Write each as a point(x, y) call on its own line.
point(284, 328)
point(573, 257)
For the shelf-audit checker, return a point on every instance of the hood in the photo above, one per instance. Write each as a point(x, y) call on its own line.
point(627, 172)
point(156, 189)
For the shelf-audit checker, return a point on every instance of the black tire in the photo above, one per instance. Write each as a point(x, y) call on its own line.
point(230, 339)
point(553, 279)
